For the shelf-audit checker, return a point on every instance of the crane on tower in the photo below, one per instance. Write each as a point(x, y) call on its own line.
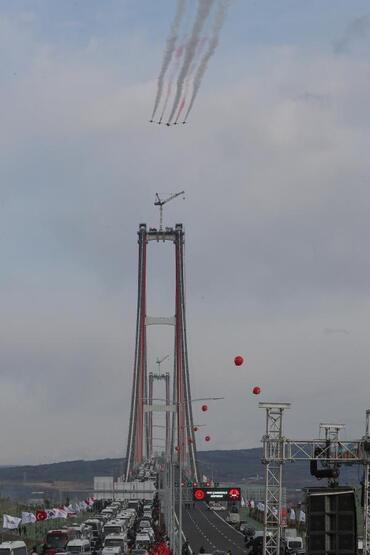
point(159, 362)
point(161, 202)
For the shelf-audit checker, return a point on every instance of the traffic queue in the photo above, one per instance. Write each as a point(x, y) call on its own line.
point(119, 528)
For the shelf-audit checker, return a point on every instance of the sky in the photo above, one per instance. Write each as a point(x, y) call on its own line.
point(275, 166)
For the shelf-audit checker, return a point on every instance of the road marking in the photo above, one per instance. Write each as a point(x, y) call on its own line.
point(226, 537)
point(228, 523)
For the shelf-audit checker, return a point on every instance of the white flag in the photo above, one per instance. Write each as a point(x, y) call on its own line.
point(292, 514)
point(242, 503)
point(302, 517)
point(11, 522)
point(62, 513)
point(28, 518)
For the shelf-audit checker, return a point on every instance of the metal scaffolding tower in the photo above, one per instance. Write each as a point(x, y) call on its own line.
point(273, 458)
point(330, 451)
point(140, 437)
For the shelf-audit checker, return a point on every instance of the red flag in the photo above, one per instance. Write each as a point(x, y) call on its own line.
point(41, 515)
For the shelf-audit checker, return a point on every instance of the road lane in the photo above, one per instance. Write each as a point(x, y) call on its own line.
point(203, 525)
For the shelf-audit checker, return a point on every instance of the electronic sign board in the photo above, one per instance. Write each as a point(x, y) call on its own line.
point(217, 494)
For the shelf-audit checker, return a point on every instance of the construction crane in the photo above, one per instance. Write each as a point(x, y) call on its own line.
point(161, 202)
point(159, 362)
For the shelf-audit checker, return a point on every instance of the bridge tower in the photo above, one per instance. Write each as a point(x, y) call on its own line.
point(179, 411)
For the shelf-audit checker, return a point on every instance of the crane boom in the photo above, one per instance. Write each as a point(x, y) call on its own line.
point(161, 202)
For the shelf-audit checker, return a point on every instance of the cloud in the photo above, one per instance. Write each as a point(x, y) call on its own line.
point(276, 219)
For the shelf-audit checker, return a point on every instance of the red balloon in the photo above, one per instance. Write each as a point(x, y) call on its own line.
point(256, 390)
point(238, 360)
point(208, 438)
point(195, 429)
point(204, 408)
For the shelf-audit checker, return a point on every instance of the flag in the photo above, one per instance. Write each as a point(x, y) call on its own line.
point(41, 515)
point(302, 516)
point(28, 518)
point(11, 522)
point(292, 514)
point(61, 513)
point(242, 502)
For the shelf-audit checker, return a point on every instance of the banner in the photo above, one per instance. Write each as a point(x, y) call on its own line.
point(28, 518)
point(11, 522)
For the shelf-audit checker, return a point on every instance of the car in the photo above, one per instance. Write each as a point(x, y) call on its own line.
point(143, 540)
point(13, 548)
point(113, 550)
point(79, 546)
point(145, 523)
point(217, 507)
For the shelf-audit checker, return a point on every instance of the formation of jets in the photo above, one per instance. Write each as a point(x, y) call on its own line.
point(168, 124)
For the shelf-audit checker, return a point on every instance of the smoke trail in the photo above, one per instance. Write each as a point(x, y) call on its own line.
point(189, 77)
point(213, 43)
point(204, 7)
point(178, 55)
point(170, 46)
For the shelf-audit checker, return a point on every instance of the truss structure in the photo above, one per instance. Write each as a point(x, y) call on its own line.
point(278, 450)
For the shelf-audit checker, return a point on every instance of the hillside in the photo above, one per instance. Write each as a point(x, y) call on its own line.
point(231, 465)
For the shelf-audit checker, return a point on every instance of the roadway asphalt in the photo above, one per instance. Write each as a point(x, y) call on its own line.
point(205, 528)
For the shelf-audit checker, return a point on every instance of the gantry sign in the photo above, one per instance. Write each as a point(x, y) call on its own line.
point(217, 494)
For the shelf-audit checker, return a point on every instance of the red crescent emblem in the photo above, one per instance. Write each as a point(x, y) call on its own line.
point(234, 493)
point(199, 494)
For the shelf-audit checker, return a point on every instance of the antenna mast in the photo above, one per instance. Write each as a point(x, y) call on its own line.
point(161, 202)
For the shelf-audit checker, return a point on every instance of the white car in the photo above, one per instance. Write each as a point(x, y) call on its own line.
point(116, 550)
point(217, 507)
point(142, 540)
point(13, 548)
point(79, 546)
point(144, 524)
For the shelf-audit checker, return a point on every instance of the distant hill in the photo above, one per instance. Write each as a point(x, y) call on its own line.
point(229, 466)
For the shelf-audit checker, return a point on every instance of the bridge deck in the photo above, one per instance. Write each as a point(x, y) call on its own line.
point(204, 528)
